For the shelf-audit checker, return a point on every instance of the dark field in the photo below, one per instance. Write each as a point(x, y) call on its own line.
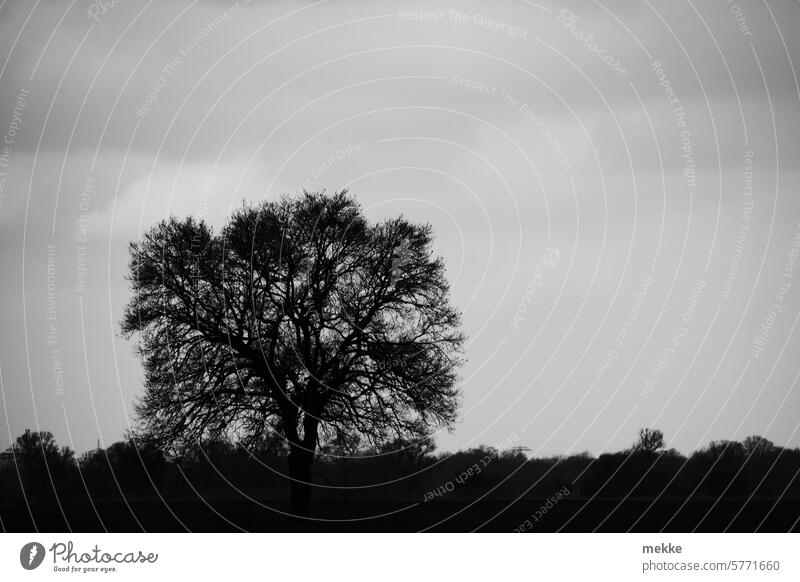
point(569, 515)
point(728, 486)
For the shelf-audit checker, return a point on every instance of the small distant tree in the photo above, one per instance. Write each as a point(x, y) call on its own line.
point(724, 449)
point(756, 445)
point(299, 317)
point(41, 443)
point(721, 463)
point(650, 441)
point(41, 447)
point(409, 455)
point(41, 461)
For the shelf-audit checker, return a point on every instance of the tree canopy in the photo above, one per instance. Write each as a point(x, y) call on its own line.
point(299, 317)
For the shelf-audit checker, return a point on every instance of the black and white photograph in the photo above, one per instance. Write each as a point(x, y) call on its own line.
point(327, 274)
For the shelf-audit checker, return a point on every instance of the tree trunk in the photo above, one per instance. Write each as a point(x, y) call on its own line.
point(301, 457)
point(300, 461)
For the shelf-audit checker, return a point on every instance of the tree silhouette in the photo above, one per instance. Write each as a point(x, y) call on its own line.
point(297, 317)
point(650, 441)
point(722, 461)
point(40, 460)
point(40, 444)
point(756, 445)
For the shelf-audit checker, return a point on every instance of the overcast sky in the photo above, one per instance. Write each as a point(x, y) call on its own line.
point(614, 187)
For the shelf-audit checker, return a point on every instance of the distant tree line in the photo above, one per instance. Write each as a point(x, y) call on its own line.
point(36, 469)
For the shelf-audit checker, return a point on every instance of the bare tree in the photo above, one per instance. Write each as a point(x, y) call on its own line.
point(41, 462)
point(650, 440)
point(299, 317)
